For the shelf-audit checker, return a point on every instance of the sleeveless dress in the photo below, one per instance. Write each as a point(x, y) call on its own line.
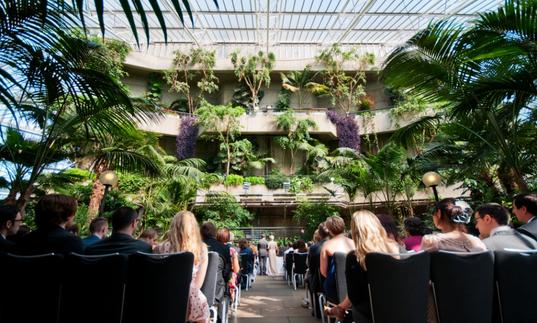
point(272, 266)
point(198, 308)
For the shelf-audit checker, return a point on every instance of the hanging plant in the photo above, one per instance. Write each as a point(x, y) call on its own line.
point(347, 129)
point(186, 139)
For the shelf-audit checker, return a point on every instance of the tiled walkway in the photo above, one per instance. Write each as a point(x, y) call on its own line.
point(272, 301)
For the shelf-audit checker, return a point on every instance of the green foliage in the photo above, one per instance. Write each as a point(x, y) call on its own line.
point(301, 184)
point(233, 180)
point(242, 97)
point(346, 91)
point(254, 71)
point(209, 179)
point(299, 82)
point(244, 156)
point(154, 87)
point(275, 179)
point(312, 214)
point(284, 100)
point(255, 180)
point(224, 211)
point(197, 64)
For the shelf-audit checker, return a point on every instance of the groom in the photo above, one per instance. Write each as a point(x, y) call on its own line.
point(262, 246)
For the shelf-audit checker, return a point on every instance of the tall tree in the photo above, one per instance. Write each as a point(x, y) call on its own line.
point(297, 133)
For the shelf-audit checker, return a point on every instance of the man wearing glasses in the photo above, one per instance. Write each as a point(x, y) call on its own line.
point(10, 222)
point(492, 220)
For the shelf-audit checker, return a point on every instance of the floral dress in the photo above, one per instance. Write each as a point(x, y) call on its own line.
point(198, 308)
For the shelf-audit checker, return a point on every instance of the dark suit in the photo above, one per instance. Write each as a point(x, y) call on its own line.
point(88, 241)
point(47, 240)
point(118, 242)
point(6, 245)
point(529, 229)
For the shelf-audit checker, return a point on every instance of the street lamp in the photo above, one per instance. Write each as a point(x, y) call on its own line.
point(246, 187)
point(432, 179)
point(108, 179)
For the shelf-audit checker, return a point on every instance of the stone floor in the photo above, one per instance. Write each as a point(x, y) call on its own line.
point(271, 301)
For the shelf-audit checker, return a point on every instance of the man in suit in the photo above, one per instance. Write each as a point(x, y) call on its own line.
point(525, 209)
point(491, 220)
point(10, 221)
point(262, 250)
point(98, 230)
point(53, 213)
point(124, 223)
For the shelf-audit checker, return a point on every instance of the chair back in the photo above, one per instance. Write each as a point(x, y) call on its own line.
point(300, 260)
point(209, 284)
point(158, 287)
point(31, 288)
point(246, 263)
point(462, 286)
point(516, 279)
point(289, 264)
point(391, 279)
point(340, 260)
point(94, 286)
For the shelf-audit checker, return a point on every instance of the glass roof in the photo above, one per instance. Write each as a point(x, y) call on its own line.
point(292, 29)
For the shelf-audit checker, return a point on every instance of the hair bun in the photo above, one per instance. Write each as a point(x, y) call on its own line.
point(462, 212)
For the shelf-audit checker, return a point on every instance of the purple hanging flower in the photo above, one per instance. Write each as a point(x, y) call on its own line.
point(347, 129)
point(186, 139)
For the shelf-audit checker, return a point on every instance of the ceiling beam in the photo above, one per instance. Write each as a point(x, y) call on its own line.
point(356, 20)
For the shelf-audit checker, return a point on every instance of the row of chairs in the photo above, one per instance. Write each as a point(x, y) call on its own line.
point(107, 289)
point(465, 287)
point(296, 268)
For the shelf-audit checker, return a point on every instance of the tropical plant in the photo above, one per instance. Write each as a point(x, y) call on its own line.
point(254, 71)
point(312, 214)
point(345, 90)
point(483, 72)
point(297, 133)
point(255, 180)
point(275, 179)
point(233, 180)
point(224, 120)
point(197, 64)
point(241, 97)
point(244, 156)
point(347, 129)
point(301, 184)
point(185, 142)
point(224, 211)
point(299, 82)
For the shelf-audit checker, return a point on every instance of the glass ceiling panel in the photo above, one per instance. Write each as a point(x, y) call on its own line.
point(278, 24)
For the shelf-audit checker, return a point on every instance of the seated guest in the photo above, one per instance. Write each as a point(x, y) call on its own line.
point(314, 255)
point(124, 222)
point(98, 230)
point(244, 249)
point(53, 213)
point(491, 220)
point(223, 236)
point(208, 234)
point(184, 235)
point(338, 242)
point(369, 236)
point(414, 230)
point(10, 221)
point(451, 219)
point(525, 209)
point(150, 236)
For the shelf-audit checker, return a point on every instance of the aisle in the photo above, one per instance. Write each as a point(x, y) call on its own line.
point(272, 301)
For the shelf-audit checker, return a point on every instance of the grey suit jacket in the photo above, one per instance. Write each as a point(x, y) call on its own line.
point(262, 248)
point(505, 237)
point(529, 229)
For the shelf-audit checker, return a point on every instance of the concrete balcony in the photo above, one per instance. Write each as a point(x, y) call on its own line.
point(264, 123)
point(261, 196)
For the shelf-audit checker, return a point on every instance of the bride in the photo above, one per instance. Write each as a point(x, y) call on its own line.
point(272, 269)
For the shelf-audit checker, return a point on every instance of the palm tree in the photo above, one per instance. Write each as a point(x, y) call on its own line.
point(484, 72)
point(299, 82)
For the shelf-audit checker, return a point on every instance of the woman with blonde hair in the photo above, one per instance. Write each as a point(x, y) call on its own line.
point(184, 235)
point(368, 236)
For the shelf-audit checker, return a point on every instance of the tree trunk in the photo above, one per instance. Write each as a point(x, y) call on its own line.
point(97, 194)
point(228, 162)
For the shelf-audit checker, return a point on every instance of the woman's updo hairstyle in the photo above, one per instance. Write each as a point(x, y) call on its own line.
point(454, 211)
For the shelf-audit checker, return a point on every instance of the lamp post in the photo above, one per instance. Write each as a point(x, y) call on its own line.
point(108, 179)
point(286, 186)
point(432, 179)
point(246, 187)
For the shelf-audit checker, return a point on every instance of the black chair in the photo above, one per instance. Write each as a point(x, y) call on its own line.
point(31, 288)
point(516, 278)
point(299, 268)
point(398, 287)
point(209, 284)
point(158, 287)
point(94, 286)
point(462, 286)
point(246, 270)
point(289, 267)
point(340, 260)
